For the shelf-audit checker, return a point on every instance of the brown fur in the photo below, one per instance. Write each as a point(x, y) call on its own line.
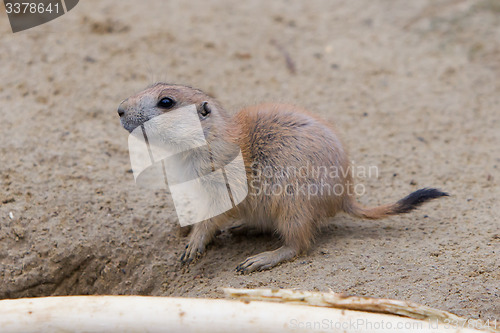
point(272, 137)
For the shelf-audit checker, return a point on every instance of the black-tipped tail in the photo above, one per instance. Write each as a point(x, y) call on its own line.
point(415, 199)
point(405, 205)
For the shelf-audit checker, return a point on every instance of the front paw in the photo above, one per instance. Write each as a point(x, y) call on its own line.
point(192, 252)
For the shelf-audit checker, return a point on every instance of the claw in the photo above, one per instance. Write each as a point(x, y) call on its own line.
point(182, 257)
point(190, 254)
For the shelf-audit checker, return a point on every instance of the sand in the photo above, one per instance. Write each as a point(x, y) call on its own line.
point(411, 86)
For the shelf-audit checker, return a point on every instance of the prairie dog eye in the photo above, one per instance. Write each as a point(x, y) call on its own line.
point(166, 103)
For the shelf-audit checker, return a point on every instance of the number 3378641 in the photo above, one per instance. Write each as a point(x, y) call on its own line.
point(30, 8)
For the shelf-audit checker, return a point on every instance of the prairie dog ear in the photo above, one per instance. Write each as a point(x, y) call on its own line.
point(204, 109)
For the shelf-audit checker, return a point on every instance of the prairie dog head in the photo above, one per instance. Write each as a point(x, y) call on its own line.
point(184, 108)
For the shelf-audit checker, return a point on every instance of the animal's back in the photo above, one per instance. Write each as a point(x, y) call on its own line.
point(292, 158)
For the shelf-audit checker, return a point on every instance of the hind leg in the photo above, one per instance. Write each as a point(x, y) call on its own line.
point(266, 260)
point(297, 234)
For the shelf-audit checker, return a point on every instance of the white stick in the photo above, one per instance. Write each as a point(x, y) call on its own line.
point(168, 314)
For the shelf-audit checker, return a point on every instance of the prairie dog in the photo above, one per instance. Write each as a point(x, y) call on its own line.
point(280, 145)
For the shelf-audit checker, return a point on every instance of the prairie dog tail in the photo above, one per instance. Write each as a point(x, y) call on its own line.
point(405, 205)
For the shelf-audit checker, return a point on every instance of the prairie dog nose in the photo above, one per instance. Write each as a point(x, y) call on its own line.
point(122, 108)
point(121, 111)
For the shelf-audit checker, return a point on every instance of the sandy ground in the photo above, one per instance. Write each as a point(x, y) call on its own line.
point(412, 86)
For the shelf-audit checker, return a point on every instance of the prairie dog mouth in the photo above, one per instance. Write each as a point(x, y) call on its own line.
point(131, 123)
